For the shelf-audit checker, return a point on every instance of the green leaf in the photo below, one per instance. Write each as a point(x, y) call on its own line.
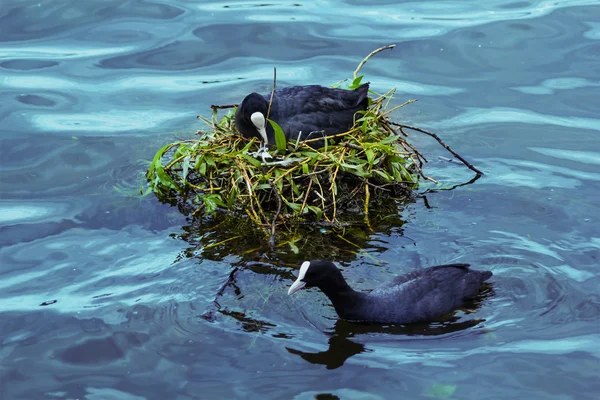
point(232, 197)
point(363, 174)
point(356, 82)
point(164, 178)
point(350, 166)
point(294, 206)
point(280, 141)
point(318, 212)
point(354, 160)
point(185, 167)
point(355, 169)
point(390, 139)
point(201, 167)
point(293, 247)
point(384, 175)
point(309, 154)
point(181, 150)
point(364, 126)
point(305, 168)
point(251, 160)
point(295, 188)
point(212, 202)
point(247, 147)
point(210, 160)
point(156, 160)
point(370, 156)
point(407, 176)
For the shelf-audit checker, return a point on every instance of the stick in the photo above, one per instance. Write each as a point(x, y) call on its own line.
point(272, 91)
point(214, 107)
point(473, 180)
point(440, 141)
point(312, 173)
point(352, 146)
point(450, 160)
point(210, 315)
point(375, 186)
point(389, 46)
point(308, 190)
point(272, 238)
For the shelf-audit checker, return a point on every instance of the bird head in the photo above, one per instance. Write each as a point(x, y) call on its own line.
point(322, 274)
point(251, 117)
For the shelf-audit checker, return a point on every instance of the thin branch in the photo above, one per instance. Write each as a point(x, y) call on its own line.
point(329, 224)
point(210, 314)
point(440, 141)
point(389, 46)
point(473, 180)
point(450, 160)
point(352, 146)
point(273, 224)
point(216, 107)
point(312, 173)
point(307, 193)
point(272, 91)
point(376, 186)
point(419, 155)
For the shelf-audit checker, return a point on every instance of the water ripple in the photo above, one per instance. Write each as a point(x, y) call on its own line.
point(549, 86)
point(475, 116)
point(21, 212)
point(143, 265)
point(536, 175)
point(106, 123)
point(587, 157)
point(96, 279)
point(59, 53)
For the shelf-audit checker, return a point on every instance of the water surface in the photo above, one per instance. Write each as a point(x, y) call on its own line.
point(102, 293)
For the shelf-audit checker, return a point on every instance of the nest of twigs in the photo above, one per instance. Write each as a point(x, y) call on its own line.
point(364, 168)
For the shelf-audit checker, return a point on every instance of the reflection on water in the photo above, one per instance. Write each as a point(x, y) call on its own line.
point(105, 294)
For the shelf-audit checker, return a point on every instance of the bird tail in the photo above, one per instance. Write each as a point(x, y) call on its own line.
point(486, 275)
point(363, 95)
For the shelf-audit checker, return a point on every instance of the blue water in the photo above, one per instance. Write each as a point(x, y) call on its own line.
point(102, 292)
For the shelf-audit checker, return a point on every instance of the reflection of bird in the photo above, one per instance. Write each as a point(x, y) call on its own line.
point(418, 296)
point(340, 349)
point(302, 112)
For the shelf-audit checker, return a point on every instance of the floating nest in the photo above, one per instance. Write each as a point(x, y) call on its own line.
point(367, 168)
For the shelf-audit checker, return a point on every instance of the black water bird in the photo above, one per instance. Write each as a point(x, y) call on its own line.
point(418, 296)
point(302, 112)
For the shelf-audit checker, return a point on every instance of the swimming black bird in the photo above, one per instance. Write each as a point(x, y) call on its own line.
point(302, 112)
point(418, 296)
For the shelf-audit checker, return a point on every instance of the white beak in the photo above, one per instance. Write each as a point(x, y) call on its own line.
point(263, 134)
point(297, 285)
point(258, 119)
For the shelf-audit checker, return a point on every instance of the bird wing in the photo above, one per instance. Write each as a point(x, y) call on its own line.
point(400, 279)
point(424, 294)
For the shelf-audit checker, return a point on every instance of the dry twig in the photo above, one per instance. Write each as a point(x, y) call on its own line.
point(444, 145)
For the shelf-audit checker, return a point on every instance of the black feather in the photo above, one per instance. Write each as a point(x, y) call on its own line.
point(312, 111)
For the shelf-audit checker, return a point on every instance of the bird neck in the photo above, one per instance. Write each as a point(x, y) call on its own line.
point(345, 300)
